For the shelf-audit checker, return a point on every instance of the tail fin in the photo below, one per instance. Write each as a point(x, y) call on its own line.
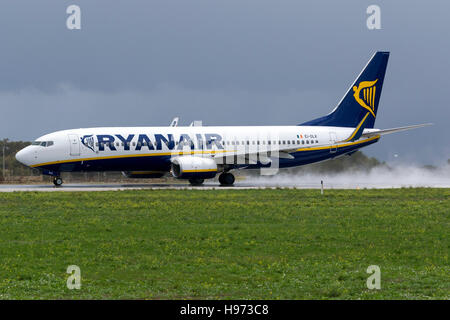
point(361, 100)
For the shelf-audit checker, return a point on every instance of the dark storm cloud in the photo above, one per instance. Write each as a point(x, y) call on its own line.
point(225, 62)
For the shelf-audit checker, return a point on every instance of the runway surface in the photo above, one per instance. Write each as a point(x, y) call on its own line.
point(111, 187)
point(208, 186)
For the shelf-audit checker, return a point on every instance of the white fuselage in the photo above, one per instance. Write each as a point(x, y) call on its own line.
point(88, 146)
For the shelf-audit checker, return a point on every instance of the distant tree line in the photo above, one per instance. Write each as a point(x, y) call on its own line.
point(8, 150)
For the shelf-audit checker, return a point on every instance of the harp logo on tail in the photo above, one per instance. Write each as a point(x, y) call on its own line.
point(367, 98)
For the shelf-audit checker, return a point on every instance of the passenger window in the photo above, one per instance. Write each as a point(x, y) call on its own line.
point(317, 141)
point(303, 141)
point(307, 141)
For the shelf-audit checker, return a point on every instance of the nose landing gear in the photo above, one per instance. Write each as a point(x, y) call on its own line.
point(57, 181)
point(226, 179)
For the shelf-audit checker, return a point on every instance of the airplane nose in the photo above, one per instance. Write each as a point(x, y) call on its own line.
point(24, 156)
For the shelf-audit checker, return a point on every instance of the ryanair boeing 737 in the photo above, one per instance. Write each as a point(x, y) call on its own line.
point(196, 153)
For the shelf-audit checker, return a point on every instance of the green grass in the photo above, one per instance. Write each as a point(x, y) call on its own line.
point(226, 244)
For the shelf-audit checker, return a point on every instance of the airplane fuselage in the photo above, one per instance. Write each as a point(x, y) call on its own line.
point(151, 148)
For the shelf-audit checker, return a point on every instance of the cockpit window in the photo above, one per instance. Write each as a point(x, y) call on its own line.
point(42, 143)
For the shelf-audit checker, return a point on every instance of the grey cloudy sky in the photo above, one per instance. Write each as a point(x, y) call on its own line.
point(226, 62)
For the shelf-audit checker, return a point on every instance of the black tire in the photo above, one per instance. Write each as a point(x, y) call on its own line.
point(57, 181)
point(196, 182)
point(226, 179)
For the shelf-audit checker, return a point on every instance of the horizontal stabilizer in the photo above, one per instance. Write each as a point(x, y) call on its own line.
point(388, 131)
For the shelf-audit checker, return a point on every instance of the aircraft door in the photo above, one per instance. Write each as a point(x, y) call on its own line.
point(333, 144)
point(201, 146)
point(74, 145)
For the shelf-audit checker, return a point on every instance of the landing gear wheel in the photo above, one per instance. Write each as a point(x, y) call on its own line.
point(57, 181)
point(226, 179)
point(196, 182)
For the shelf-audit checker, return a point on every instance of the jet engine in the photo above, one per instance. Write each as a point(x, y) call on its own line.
point(192, 167)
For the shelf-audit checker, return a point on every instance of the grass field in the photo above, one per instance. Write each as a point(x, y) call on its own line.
point(226, 244)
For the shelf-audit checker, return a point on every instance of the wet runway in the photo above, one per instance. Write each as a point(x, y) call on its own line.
point(397, 177)
point(241, 185)
point(114, 187)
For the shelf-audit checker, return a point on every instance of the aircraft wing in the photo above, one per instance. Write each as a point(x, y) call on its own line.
point(392, 130)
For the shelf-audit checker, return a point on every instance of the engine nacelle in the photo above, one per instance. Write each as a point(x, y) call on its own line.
point(143, 174)
point(191, 167)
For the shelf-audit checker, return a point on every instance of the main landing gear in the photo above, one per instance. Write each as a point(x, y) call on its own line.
point(226, 179)
point(196, 182)
point(57, 181)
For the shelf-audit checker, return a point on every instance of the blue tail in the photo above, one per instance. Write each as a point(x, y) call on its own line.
point(361, 100)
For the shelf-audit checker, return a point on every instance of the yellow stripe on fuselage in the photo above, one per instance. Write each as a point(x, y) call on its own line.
point(203, 170)
point(339, 145)
point(129, 156)
point(192, 152)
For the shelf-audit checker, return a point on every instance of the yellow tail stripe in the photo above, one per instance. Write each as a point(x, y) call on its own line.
point(339, 146)
point(357, 128)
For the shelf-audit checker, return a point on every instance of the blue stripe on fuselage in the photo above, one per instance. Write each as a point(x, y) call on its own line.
point(162, 162)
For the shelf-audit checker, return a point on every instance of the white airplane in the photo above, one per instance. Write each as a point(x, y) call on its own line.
point(196, 153)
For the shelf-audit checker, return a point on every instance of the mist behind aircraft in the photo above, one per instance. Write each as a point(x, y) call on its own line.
point(396, 176)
